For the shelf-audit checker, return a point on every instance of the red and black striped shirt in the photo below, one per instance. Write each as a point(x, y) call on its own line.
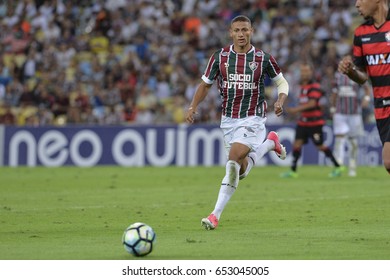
point(313, 116)
point(371, 50)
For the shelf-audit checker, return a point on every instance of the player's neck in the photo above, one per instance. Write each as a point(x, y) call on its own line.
point(381, 15)
point(242, 49)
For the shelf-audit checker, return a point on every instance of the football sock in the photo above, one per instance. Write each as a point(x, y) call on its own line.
point(339, 148)
point(296, 156)
point(353, 153)
point(265, 147)
point(251, 162)
point(329, 154)
point(228, 186)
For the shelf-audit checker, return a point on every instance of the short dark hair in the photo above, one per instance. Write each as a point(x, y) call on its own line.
point(241, 18)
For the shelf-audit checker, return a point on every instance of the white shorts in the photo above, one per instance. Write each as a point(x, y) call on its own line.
point(350, 125)
point(249, 131)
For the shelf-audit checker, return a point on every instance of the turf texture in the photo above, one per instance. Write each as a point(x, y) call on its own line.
point(71, 213)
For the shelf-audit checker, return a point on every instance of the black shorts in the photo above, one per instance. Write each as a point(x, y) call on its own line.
point(315, 133)
point(383, 126)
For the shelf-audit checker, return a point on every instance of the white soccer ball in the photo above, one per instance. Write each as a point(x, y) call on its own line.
point(139, 239)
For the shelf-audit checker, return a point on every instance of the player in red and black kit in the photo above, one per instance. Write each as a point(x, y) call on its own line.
point(371, 59)
point(310, 122)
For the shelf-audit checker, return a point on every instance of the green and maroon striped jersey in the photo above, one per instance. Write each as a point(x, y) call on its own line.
point(240, 80)
point(348, 100)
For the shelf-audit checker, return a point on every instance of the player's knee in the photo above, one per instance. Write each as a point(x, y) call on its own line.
point(386, 156)
point(386, 163)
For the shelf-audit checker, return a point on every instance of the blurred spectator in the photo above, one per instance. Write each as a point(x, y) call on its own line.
point(113, 48)
point(130, 111)
point(6, 116)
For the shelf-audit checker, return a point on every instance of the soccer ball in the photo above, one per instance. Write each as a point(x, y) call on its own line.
point(139, 239)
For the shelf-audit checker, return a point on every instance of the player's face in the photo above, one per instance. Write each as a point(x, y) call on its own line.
point(241, 32)
point(366, 8)
point(306, 73)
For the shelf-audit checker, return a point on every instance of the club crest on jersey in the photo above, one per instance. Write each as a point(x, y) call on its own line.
point(253, 65)
point(224, 53)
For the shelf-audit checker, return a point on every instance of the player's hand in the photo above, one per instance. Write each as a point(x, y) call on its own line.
point(278, 108)
point(190, 115)
point(346, 65)
point(366, 102)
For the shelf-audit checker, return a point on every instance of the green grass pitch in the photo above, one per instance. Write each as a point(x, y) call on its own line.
point(81, 213)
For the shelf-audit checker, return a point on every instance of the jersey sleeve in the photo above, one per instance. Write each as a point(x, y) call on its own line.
point(212, 69)
point(273, 69)
point(358, 58)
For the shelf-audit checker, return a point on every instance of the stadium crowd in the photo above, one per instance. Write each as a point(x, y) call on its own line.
point(138, 61)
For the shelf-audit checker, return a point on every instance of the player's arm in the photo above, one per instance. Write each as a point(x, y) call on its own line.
point(367, 95)
point(347, 67)
point(283, 89)
point(312, 103)
point(200, 94)
point(332, 100)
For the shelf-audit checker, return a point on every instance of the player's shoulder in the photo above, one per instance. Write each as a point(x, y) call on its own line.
point(224, 51)
point(314, 86)
point(364, 28)
point(261, 54)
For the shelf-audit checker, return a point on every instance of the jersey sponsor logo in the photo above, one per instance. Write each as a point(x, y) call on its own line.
point(378, 59)
point(239, 81)
point(259, 54)
point(347, 91)
point(366, 39)
point(240, 77)
point(387, 36)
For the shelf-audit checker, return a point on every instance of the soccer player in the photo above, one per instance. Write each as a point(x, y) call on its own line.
point(346, 108)
point(311, 121)
point(240, 70)
point(371, 59)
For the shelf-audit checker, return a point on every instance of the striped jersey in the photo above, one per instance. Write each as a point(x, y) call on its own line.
point(348, 100)
point(371, 50)
point(240, 79)
point(313, 116)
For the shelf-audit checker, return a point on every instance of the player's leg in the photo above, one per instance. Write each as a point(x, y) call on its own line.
point(353, 156)
point(318, 140)
point(252, 133)
point(235, 134)
point(383, 126)
point(356, 129)
point(259, 147)
point(386, 148)
point(339, 147)
point(386, 155)
point(340, 130)
point(301, 138)
point(229, 184)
